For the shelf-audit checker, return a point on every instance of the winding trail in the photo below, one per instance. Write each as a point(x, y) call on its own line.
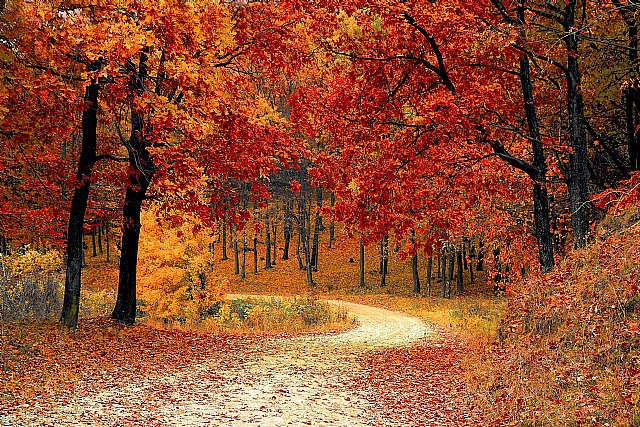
point(275, 382)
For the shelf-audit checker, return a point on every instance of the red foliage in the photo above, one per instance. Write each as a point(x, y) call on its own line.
point(421, 385)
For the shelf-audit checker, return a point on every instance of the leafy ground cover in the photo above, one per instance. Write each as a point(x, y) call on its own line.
point(569, 352)
point(42, 361)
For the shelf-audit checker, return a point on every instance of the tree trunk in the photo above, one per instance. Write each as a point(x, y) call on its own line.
point(316, 232)
point(100, 231)
point(332, 226)
point(274, 246)
point(286, 230)
point(142, 170)
point(443, 278)
point(460, 258)
point(243, 266)
point(236, 253)
point(480, 263)
point(429, 269)
point(267, 244)
point(255, 255)
point(450, 262)
point(414, 266)
point(361, 282)
point(94, 244)
point(75, 244)
point(385, 261)
point(631, 89)
point(224, 237)
point(107, 240)
point(579, 173)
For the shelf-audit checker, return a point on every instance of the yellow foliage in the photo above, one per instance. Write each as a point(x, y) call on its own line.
point(174, 271)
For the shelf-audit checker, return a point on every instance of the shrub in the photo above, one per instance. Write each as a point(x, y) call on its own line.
point(30, 284)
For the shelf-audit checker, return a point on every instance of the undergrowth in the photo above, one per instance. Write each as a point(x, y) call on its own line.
point(264, 315)
point(30, 284)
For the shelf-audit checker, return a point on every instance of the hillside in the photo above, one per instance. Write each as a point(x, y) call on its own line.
point(569, 350)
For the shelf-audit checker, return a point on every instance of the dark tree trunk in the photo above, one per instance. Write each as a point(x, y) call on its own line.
point(332, 225)
point(450, 262)
point(443, 278)
point(267, 244)
point(304, 218)
point(243, 266)
point(255, 255)
point(381, 263)
point(142, 167)
point(414, 266)
point(100, 231)
point(465, 245)
point(316, 231)
point(632, 88)
point(537, 169)
point(75, 244)
point(480, 264)
point(94, 244)
point(236, 253)
point(385, 261)
point(632, 134)
point(471, 274)
point(460, 257)
point(361, 282)
point(579, 174)
point(107, 240)
point(274, 234)
point(429, 271)
point(286, 230)
point(224, 237)
point(541, 213)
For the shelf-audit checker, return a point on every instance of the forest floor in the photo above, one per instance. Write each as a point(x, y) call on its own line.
point(370, 375)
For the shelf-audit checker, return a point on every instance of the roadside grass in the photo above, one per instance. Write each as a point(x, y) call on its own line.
point(263, 315)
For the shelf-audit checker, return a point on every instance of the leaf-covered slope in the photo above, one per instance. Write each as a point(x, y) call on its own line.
point(570, 350)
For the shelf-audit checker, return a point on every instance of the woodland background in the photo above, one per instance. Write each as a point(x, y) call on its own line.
point(481, 155)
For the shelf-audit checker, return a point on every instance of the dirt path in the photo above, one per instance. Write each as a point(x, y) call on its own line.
point(278, 382)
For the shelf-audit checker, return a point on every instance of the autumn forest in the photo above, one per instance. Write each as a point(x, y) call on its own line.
point(353, 213)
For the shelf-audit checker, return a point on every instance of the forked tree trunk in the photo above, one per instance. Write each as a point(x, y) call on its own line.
point(142, 170)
